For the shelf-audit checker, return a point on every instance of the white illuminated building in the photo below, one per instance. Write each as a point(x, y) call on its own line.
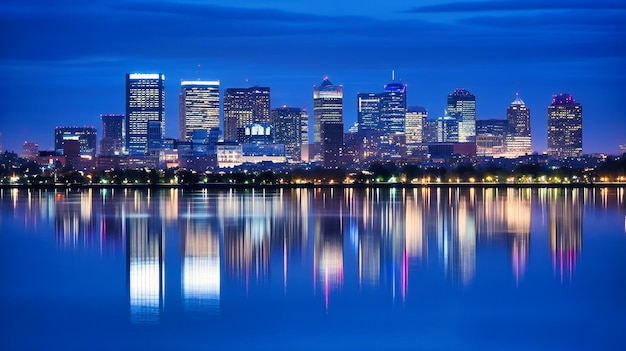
point(199, 107)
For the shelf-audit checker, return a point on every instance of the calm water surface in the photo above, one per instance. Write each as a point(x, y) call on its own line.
point(364, 269)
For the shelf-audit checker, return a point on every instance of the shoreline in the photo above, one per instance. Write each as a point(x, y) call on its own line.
point(317, 186)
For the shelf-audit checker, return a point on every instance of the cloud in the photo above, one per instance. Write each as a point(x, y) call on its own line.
point(529, 5)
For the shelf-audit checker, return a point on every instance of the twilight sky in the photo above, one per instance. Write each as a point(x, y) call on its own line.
point(63, 62)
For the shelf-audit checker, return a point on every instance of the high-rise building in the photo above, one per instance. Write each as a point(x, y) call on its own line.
point(491, 126)
point(393, 108)
point(84, 136)
point(30, 150)
point(565, 127)
point(327, 109)
point(368, 115)
point(462, 106)
point(199, 107)
point(490, 135)
point(287, 122)
point(518, 139)
point(447, 129)
point(429, 131)
point(244, 106)
point(414, 125)
point(112, 142)
point(145, 103)
point(304, 130)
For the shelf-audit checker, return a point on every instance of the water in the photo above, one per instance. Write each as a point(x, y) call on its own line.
point(369, 269)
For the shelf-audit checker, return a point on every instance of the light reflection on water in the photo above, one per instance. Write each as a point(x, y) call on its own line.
point(319, 242)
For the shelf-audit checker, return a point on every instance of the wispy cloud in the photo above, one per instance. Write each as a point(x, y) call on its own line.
point(528, 5)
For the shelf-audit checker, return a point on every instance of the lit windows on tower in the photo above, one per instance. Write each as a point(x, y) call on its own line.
point(145, 103)
point(199, 107)
point(462, 106)
point(565, 127)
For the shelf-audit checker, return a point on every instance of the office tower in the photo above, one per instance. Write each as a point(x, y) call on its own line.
point(368, 116)
point(447, 129)
point(85, 137)
point(327, 109)
point(491, 126)
point(565, 127)
point(287, 122)
point(145, 102)
point(429, 131)
point(414, 125)
point(112, 142)
point(518, 140)
point(393, 108)
point(304, 127)
point(199, 107)
point(244, 106)
point(462, 106)
point(490, 135)
point(30, 150)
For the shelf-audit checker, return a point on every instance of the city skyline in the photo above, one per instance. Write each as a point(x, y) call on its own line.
point(82, 59)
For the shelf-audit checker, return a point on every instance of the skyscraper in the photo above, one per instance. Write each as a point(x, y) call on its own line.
point(199, 107)
point(112, 142)
point(462, 106)
point(287, 122)
point(84, 136)
point(244, 106)
point(518, 140)
point(327, 109)
point(447, 129)
point(368, 116)
point(145, 102)
point(393, 108)
point(414, 125)
point(565, 127)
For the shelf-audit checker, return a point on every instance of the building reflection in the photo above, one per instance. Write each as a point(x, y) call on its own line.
point(111, 223)
point(369, 246)
point(328, 240)
point(75, 226)
point(200, 251)
point(246, 221)
point(145, 264)
point(379, 234)
point(504, 216)
point(456, 233)
point(565, 223)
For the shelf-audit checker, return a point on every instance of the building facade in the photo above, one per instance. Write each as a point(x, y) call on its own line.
point(368, 113)
point(244, 106)
point(145, 103)
point(565, 127)
point(393, 108)
point(83, 137)
point(518, 138)
point(327, 109)
point(287, 122)
point(462, 106)
point(199, 107)
point(113, 136)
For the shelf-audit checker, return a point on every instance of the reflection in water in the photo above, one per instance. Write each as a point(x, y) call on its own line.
point(200, 251)
point(146, 275)
point(506, 214)
point(328, 232)
point(565, 230)
point(239, 235)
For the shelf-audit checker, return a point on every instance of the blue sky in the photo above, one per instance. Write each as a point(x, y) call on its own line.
point(63, 62)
